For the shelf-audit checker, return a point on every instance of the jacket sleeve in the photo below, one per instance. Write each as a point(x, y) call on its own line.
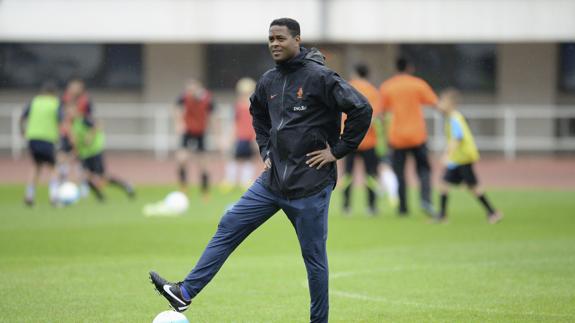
point(348, 100)
point(261, 119)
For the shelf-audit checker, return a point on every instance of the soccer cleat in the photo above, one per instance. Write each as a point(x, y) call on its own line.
point(494, 217)
point(170, 291)
point(28, 202)
point(402, 213)
point(346, 211)
point(440, 219)
point(372, 212)
point(429, 209)
point(130, 192)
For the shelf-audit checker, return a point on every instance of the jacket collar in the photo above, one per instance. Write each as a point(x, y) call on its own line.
point(305, 55)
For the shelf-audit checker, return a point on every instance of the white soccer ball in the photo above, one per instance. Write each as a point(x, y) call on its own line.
point(68, 193)
point(177, 202)
point(170, 317)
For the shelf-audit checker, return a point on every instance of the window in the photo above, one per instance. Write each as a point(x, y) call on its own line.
point(101, 66)
point(567, 68)
point(468, 67)
point(227, 63)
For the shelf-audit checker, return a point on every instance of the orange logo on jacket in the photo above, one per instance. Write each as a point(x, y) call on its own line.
point(300, 93)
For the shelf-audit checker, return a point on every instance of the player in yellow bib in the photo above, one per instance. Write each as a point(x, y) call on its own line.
point(460, 156)
point(39, 124)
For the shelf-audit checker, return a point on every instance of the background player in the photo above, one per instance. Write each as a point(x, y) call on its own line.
point(460, 156)
point(88, 141)
point(366, 149)
point(191, 121)
point(39, 124)
point(244, 138)
point(75, 98)
point(403, 96)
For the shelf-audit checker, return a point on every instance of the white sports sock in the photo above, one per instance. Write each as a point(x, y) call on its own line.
point(84, 189)
point(63, 171)
point(247, 174)
point(30, 192)
point(389, 181)
point(231, 172)
point(53, 189)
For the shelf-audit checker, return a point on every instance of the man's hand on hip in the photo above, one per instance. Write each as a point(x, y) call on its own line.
point(320, 158)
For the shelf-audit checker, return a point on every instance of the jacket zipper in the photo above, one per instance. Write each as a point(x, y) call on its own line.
point(278, 129)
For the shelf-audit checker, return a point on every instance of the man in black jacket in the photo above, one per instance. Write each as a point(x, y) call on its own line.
point(296, 111)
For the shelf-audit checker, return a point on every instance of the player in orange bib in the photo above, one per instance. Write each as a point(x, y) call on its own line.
point(366, 149)
point(404, 95)
point(245, 138)
point(192, 116)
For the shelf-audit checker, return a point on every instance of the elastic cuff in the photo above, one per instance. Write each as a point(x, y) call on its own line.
point(338, 154)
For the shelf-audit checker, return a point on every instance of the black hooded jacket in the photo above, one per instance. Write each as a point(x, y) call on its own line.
point(296, 109)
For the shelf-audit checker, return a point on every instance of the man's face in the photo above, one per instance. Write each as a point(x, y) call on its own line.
point(75, 88)
point(283, 46)
point(447, 102)
point(193, 88)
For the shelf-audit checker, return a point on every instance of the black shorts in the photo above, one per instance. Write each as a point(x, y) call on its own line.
point(193, 141)
point(65, 144)
point(243, 149)
point(461, 174)
point(94, 164)
point(370, 161)
point(42, 152)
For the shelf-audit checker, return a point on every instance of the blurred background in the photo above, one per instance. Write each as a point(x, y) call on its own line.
point(514, 61)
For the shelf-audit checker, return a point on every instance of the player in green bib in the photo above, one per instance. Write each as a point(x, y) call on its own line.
point(460, 156)
point(88, 142)
point(39, 124)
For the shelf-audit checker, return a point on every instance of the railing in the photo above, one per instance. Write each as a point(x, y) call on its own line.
point(148, 127)
point(539, 127)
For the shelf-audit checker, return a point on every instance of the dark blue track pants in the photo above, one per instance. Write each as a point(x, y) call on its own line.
point(309, 218)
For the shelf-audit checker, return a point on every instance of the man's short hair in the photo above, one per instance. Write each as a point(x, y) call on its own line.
point(291, 24)
point(401, 64)
point(362, 70)
point(76, 79)
point(49, 86)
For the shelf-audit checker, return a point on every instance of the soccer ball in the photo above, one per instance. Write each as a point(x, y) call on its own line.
point(174, 204)
point(68, 193)
point(177, 202)
point(170, 317)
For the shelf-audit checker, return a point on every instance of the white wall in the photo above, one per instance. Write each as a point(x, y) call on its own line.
point(247, 20)
point(451, 20)
point(150, 20)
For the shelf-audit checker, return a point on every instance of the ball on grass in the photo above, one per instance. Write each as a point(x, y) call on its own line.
point(177, 202)
point(68, 193)
point(170, 317)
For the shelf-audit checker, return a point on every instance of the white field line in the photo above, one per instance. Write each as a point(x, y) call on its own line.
point(364, 297)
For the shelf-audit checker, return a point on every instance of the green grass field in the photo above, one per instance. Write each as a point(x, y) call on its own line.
point(89, 262)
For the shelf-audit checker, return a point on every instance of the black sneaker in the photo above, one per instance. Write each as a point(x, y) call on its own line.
point(171, 291)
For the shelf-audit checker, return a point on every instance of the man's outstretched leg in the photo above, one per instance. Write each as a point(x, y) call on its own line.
point(254, 208)
point(309, 218)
